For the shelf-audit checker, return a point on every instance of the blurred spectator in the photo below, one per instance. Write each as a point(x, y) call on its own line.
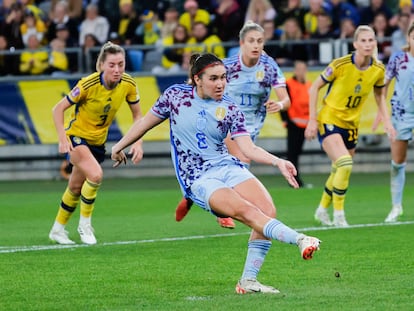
point(58, 60)
point(34, 60)
point(340, 9)
point(149, 31)
point(32, 26)
point(170, 22)
point(290, 46)
point(399, 36)
point(346, 36)
point(29, 5)
point(74, 8)
point(317, 51)
point(158, 7)
point(127, 23)
point(383, 33)
point(260, 10)
point(293, 9)
point(94, 23)
point(172, 58)
point(89, 53)
point(270, 35)
point(297, 116)
point(203, 41)
point(11, 27)
point(6, 60)
point(229, 19)
point(62, 33)
point(192, 15)
point(5, 9)
point(368, 13)
point(60, 16)
point(311, 16)
point(406, 6)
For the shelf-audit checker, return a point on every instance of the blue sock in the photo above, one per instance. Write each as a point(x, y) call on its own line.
point(276, 230)
point(397, 182)
point(256, 253)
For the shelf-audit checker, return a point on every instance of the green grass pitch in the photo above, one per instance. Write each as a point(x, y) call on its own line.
point(144, 260)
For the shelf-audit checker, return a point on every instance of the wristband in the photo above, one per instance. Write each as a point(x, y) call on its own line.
point(280, 105)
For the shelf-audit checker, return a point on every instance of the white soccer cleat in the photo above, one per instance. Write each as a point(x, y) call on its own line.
point(322, 216)
point(86, 233)
point(60, 237)
point(246, 286)
point(340, 221)
point(307, 246)
point(395, 212)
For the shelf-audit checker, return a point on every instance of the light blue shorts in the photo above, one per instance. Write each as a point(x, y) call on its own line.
point(404, 128)
point(226, 176)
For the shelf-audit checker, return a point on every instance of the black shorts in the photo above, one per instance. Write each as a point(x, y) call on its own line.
point(97, 151)
point(349, 136)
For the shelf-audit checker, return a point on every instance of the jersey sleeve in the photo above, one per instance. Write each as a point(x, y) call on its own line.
point(133, 94)
point(76, 94)
point(329, 73)
point(162, 106)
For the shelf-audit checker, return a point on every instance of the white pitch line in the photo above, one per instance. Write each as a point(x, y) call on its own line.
point(32, 248)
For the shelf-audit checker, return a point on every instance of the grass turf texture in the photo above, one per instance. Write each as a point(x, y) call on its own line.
point(136, 266)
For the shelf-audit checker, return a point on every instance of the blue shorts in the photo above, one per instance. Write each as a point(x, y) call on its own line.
point(227, 176)
point(98, 152)
point(404, 127)
point(349, 136)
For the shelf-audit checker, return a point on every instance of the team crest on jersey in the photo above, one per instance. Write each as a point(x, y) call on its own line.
point(220, 113)
point(260, 75)
point(328, 71)
point(357, 88)
point(76, 140)
point(107, 108)
point(75, 92)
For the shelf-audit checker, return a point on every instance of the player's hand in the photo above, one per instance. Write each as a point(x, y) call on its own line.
point(119, 158)
point(137, 152)
point(289, 171)
point(311, 130)
point(65, 146)
point(273, 106)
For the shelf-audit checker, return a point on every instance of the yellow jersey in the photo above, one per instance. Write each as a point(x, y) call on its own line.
point(96, 106)
point(348, 90)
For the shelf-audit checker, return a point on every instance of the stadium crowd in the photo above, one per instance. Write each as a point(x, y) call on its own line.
point(60, 36)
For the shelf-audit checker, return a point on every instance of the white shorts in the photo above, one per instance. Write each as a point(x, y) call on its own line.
point(404, 128)
point(227, 176)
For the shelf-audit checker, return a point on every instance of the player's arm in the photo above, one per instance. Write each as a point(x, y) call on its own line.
point(283, 103)
point(259, 155)
point(312, 127)
point(378, 118)
point(136, 132)
point(379, 94)
point(58, 118)
point(136, 150)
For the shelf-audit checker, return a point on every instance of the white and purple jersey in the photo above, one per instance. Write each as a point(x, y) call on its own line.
point(198, 128)
point(250, 88)
point(401, 67)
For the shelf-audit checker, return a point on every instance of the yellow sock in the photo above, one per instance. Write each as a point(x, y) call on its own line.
point(67, 206)
point(327, 192)
point(341, 181)
point(88, 195)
